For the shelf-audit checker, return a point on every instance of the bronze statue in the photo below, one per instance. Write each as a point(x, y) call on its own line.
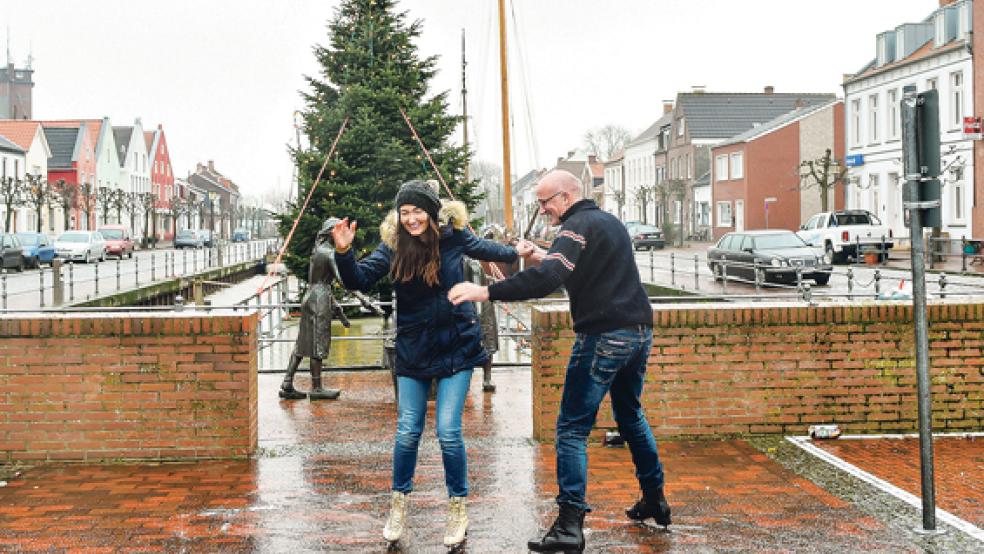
point(317, 307)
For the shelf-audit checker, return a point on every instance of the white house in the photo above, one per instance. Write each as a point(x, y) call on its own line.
point(932, 54)
point(29, 135)
point(13, 160)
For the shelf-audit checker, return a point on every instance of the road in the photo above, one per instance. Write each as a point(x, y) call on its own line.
point(686, 269)
point(32, 288)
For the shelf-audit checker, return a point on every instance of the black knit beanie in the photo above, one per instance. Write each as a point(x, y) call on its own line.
point(420, 194)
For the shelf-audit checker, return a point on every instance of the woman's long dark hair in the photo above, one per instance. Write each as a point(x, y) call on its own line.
point(417, 256)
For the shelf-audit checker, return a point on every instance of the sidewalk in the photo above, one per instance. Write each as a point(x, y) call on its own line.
point(320, 483)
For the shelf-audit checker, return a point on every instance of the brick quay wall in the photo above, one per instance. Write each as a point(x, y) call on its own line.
point(756, 368)
point(128, 385)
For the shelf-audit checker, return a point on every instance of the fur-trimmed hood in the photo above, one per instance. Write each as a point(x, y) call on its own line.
point(453, 212)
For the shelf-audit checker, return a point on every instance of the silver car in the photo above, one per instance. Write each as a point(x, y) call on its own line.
point(81, 245)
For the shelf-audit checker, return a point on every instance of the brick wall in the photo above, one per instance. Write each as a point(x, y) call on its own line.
point(139, 385)
point(779, 368)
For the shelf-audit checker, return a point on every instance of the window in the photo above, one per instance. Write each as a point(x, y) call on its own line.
point(958, 207)
point(737, 165)
point(680, 127)
point(721, 168)
point(956, 99)
point(677, 211)
point(689, 172)
point(856, 121)
point(875, 200)
point(724, 214)
point(893, 114)
point(873, 118)
point(931, 84)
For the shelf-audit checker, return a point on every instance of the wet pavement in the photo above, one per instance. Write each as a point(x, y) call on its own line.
point(320, 483)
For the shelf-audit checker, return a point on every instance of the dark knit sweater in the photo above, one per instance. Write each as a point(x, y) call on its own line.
point(592, 258)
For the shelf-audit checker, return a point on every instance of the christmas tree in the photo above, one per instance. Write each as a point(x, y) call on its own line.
point(370, 71)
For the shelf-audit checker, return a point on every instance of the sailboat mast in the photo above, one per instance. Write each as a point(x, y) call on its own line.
point(506, 169)
point(464, 108)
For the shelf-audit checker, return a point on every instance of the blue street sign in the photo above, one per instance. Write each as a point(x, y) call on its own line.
point(854, 160)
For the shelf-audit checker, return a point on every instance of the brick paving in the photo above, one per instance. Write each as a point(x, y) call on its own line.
point(958, 464)
point(320, 483)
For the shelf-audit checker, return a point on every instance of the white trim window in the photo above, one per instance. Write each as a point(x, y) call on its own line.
point(737, 165)
point(893, 121)
point(681, 127)
point(721, 167)
point(956, 99)
point(958, 203)
point(873, 118)
point(724, 214)
point(875, 187)
point(931, 84)
point(856, 122)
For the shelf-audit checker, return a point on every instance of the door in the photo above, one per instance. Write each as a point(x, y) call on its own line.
point(739, 215)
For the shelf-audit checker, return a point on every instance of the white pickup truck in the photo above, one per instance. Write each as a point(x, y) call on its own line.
point(840, 234)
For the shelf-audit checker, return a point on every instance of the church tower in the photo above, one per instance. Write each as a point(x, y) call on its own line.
point(15, 90)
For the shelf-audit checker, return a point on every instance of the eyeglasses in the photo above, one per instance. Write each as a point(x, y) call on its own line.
point(543, 202)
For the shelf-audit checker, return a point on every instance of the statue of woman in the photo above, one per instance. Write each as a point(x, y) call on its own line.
point(317, 307)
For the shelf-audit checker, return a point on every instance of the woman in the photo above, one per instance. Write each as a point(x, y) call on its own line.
point(423, 241)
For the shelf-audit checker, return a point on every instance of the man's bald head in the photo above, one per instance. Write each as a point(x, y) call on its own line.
point(556, 192)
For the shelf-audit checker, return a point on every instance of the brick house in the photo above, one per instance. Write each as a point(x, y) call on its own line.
point(161, 182)
point(755, 176)
point(221, 198)
point(72, 164)
point(701, 120)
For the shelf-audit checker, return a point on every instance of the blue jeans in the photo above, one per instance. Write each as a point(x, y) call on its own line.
point(451, 393)
point(615, 363)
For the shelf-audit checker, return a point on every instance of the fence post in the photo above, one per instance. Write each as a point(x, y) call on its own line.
point(799, 279)
point(850, 281)
point(672, 269)
point(3, 286)
point(41, 273)
point(136, 271)
point(807, 293)
point(942, 285)
point(57, 283)
point(153, 273)
point(724, 275)
point(117, 274)
point(696, 272)
point(877, 282)
point(758, 276)
point(96, 280)
point(652, 268)
point(963, 254)
point(71, 281)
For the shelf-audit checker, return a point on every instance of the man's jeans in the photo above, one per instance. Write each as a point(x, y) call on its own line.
point(614, 361)
point(451, 393)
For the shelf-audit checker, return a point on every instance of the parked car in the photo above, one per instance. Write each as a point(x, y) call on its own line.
point(646, 236)
point(189, 238)
point(208, 239)
point(11, 252)
point(119, 243)
point(840, 234)
point(240, 234)
point(38, 248)
point(777, 253)
point(81, 245)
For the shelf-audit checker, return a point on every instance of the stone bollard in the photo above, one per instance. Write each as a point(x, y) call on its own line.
point(57, 283)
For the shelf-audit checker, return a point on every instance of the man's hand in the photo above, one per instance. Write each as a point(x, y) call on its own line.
point(525, 248)
point(468, 292)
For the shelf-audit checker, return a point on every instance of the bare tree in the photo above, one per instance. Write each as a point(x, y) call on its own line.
point(106, 197)
point(37, 195)
point(606, 141)
point(824, 173)
point(147, 202)
point(87, 201)
point(66, 196)
point(11, 196)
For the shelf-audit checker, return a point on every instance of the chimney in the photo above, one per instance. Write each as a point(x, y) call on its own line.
point(198, 167)
point(667, 106)
point(769, 89)
point(592, 159)
point(211, 166)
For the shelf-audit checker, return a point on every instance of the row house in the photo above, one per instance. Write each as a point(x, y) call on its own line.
point(161, 183)
point(107, 173)
point(221, 200)
point(614, 185)
point(13, 160)
point(932, 54)
point(72, 167)
point(756, 178)
point(524, 199)
point(29, 136)
point(701, 120)
point(643, 169)
point(131, 150)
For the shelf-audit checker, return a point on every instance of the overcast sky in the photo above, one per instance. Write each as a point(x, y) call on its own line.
point(223, 76)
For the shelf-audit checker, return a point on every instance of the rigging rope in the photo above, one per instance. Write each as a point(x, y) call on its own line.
point(297, 220)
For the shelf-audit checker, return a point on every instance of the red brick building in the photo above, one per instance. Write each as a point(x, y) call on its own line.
point(73, 160)
point(756, 176)
point(161, 182)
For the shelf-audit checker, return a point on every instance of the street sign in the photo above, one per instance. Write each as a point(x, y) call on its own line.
point(972, 129)
point(854, 160)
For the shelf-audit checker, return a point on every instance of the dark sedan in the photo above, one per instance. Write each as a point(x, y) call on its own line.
point(776, 254)
point(11, 252)
point(646, 236)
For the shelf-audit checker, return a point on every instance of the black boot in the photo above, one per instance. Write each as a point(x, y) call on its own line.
point(652, 505)
point(565, 535)
point(318, 393)
point(287, 390)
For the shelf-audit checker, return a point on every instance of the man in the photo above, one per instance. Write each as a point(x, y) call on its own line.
point(592, 257)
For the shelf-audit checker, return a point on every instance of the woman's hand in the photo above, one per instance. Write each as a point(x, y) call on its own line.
point(343, 234)
point(524, 248)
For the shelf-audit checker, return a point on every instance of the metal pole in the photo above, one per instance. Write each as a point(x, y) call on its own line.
point(41, 276)
point(3, 282)
point(963, 254)
point(136, 270)
point(696, 273)
point(96, 280)
point(672, 270)
point(153, 273)
point(652, 268)
point(117, 274)
point(913, 176)
point(71, 281)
